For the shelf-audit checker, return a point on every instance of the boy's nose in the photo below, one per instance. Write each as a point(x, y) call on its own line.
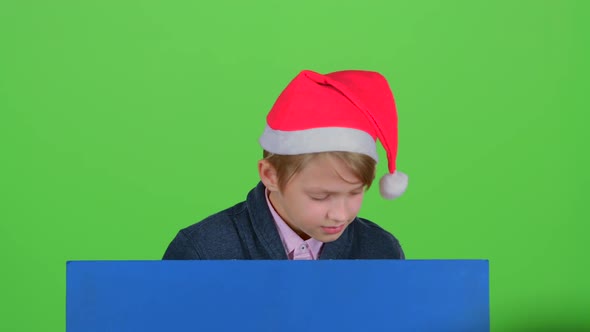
point(338, 212)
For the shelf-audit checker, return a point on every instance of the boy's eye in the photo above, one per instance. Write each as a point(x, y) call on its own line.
point(318, 198)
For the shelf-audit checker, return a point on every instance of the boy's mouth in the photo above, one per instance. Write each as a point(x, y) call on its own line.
point(333, 230)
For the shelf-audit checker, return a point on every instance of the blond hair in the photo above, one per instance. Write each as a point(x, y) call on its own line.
point(286, 166)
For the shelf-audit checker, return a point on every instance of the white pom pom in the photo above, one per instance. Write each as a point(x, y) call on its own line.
point(393, 185)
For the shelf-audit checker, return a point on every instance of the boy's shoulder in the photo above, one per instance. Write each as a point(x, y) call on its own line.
point(215, 237)
point(220, 223)
point(373, 240)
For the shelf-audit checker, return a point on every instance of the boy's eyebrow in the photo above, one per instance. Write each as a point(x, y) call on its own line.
point(316, 189)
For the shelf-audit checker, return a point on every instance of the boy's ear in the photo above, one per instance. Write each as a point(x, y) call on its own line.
point(268, 175)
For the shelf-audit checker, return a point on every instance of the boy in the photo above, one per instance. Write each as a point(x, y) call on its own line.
point(319, 156)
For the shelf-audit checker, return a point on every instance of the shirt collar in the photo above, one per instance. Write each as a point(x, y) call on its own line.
point(289, 238)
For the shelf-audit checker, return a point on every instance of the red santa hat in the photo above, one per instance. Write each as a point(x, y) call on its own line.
point(340, 111)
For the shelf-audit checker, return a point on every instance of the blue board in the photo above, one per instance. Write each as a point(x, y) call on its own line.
point(338, 295)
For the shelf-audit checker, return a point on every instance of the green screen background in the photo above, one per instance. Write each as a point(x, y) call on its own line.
point(123, 121)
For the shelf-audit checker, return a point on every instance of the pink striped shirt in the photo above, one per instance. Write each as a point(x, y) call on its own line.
point(296, 248)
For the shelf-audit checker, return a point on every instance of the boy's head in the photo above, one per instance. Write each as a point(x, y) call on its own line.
point(320, 146)
point(317, 194)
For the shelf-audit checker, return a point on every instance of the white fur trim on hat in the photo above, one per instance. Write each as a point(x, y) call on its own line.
point(392, 186)
point(318, 140)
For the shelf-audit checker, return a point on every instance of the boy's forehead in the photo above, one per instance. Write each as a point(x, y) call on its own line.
point(327, 178)
point(325, 171)
point(327, 166)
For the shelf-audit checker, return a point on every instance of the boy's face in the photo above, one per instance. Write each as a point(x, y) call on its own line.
point(321, 200)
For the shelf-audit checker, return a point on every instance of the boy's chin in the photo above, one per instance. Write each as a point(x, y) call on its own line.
point(328, 239)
